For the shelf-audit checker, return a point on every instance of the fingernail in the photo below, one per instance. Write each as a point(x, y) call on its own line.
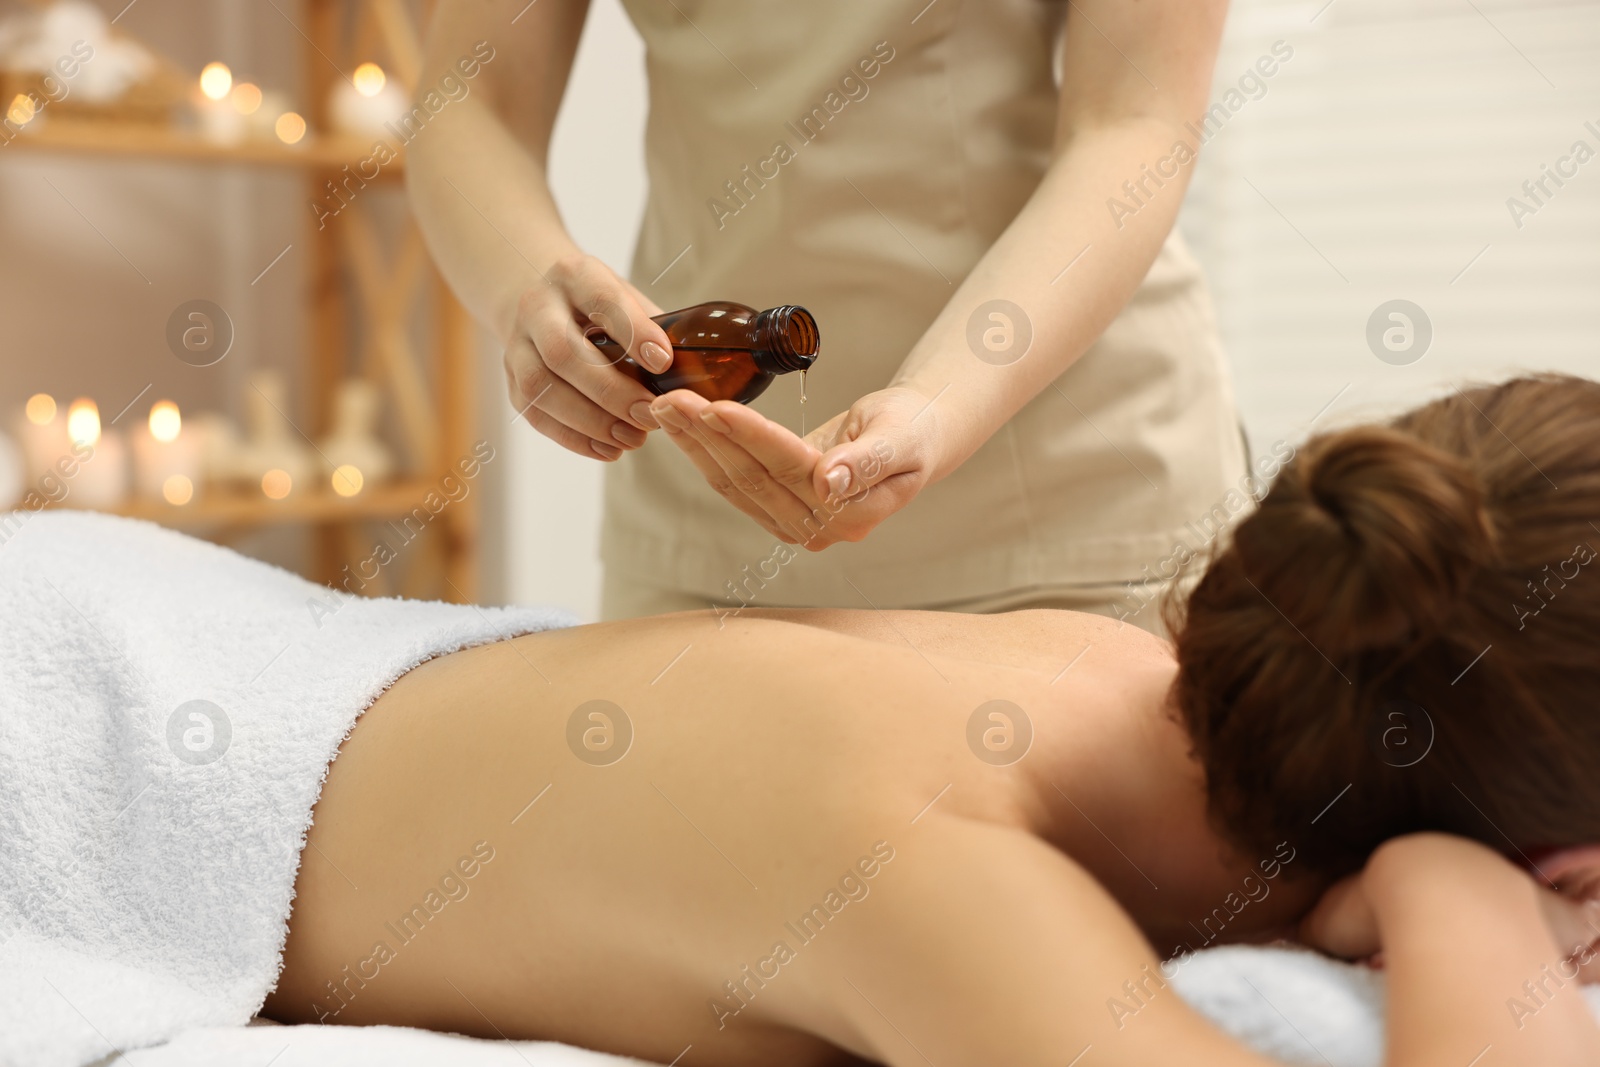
point(629, 436)
point(640, 413)
point(715, 421)
point(668, 415)
point(655, 357)
point(605, 451)
point(839, 479)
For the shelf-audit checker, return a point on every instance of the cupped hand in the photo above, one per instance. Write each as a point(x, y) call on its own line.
point(562, 384)
point(835, 484)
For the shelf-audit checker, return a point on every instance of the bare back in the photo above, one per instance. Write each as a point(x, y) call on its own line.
point(598, 835)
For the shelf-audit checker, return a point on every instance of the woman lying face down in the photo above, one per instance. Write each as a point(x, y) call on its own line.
point(796, 837)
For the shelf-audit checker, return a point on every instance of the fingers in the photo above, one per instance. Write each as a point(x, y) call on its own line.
point(609, 302)
point(548, 402)
point(690, 435)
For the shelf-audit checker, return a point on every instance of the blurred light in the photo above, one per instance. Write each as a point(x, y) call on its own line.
point(276, 484)
point(83, 422)
point(165, 422)
point(41, 409)
point(290, 127)
point(216, 80)
point(22, 110)
point(347, 480)
point(177, 490)
point(247, 98)
point(369, 79)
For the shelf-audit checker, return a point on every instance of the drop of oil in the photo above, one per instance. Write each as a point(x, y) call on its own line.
point(803, 387)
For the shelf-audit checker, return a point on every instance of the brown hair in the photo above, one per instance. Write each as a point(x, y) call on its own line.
point(1405, 635)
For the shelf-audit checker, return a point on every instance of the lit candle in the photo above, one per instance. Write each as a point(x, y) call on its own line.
point(101, 479)
point(220, 121)
point(164, 452)
point(362, 105)
point(43, 433)
point(290, 127)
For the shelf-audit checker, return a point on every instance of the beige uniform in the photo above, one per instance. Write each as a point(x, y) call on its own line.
point(858, 158)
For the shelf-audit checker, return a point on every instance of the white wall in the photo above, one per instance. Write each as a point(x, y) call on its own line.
point(1376, 166)
point(597, 172)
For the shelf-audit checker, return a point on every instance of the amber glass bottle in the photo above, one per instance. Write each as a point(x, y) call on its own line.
point(723, 350)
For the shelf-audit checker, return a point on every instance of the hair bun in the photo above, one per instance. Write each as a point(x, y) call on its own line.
point(1368, 537)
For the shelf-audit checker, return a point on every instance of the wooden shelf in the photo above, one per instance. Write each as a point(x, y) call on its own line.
point(236, 507)
point(330, 151)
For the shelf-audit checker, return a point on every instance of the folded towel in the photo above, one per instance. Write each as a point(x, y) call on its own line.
point(168, 709)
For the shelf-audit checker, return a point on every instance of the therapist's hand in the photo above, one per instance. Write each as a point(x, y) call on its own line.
point(562, 384)
point(835, 484)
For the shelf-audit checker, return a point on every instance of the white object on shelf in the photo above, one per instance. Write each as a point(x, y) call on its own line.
point(38, 40)
point(273, 458)
point(102, 478)
point(354, 441)
point(362, 106)
point(12, 479)
point(165, 450)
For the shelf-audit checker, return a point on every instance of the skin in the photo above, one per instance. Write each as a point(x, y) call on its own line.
point(774, 752)
point(1134, 75)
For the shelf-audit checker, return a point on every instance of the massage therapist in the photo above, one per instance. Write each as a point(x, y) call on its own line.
point(1020, 388)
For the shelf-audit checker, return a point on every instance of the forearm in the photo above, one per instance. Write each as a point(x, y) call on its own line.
point(1067, 221)
point(477, 174)
point(1462, 932)
point(485, 209)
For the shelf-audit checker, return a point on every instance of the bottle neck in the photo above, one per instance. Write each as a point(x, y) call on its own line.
point(786, 339)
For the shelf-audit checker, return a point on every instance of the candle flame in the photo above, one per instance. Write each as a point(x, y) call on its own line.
point(165, 421)
point(177, 490)
point(41, 409)
point(369, 79)
point(246, 98)
point(347, 480)
point(276, 484)
point(290, 127)
point(215, 80)
point(22, 110)
point(83, 422)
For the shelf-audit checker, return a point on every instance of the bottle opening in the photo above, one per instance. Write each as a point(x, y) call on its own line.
point(789, 337)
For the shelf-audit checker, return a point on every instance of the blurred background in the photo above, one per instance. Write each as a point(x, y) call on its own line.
point(251, 339)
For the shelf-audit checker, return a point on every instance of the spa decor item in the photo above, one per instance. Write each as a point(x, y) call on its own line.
point(12, 479)
point(42, 432)
point(166, 457)
point(100, 480)
point(70, 62)
point(367, 103)
point(274, 457)
point(723, 350)
point(353, 456)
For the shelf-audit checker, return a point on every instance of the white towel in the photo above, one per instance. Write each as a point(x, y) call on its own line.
point(1290, 1004)
point(149, 843)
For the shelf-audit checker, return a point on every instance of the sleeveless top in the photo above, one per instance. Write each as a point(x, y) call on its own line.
point(858, 158)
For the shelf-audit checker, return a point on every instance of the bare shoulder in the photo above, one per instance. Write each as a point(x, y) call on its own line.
point(989, 946)
point(1040, 639)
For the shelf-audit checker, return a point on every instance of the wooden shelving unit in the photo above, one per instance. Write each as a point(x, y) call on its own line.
point(358, 275)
